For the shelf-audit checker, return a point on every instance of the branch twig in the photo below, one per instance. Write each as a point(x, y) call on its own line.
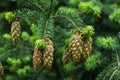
point(111, 77)
point(35, 6)
point(68, 20)
point(2, 55)
point(118, 61)
point(45, 31)
point(51, 8)
point(108, 73)
point(48, 16)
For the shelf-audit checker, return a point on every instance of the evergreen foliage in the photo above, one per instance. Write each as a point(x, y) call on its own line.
point(59, 39)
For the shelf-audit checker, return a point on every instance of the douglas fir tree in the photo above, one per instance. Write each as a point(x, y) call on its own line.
point(60, 40)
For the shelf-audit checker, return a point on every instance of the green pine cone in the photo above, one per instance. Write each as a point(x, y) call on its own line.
point(1, 70)
point(87, 47)
point(76, 47)
point(48, 54)
point(66, 56)
point(15, 31)
point(37, 59)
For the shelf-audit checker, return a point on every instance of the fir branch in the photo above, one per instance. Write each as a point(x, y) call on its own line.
point(108, 73)
point(35, 6)
point(45, 28)
point(14, 49)
point(2, 55)
point(111, 77)
point(46, 23)
point(51, 8)
point(118, 61)
point(49, 28)
point(29, 48)
point(60, 33)
point(73, 23)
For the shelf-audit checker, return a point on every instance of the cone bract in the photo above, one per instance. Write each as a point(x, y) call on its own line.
point(76, 47)
point(48, 54)
point(1, 70)
point(37, 59)
point(87, 47)
point(15, 31)
point(66, 56)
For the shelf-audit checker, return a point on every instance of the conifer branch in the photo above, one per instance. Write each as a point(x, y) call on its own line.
point(111, 77)
point(45, 28)
point(70, 20)
point(111, 70)
point(35, 6)
point(51, 8)
point(118, 61)
point(29, 48)
point(49, 13)
point(60, 33)
point(14, 49)
point(2, 55)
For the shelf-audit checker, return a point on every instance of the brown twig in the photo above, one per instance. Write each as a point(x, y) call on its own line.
point(69, 20)
point(45, 28)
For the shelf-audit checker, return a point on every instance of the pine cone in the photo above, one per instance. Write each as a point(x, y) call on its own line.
point(66, 56)
point(15, 31)
point(76, 47)
point(37, 59)
point(1, 70)
point(48, 54)
point(87, 47)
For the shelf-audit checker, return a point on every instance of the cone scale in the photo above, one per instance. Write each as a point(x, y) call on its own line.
point(87, 47)
point(37, 59)
point(76, 47)
point(48, 54)
point(66, 56)
point(15, 31)
point(1, 70)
